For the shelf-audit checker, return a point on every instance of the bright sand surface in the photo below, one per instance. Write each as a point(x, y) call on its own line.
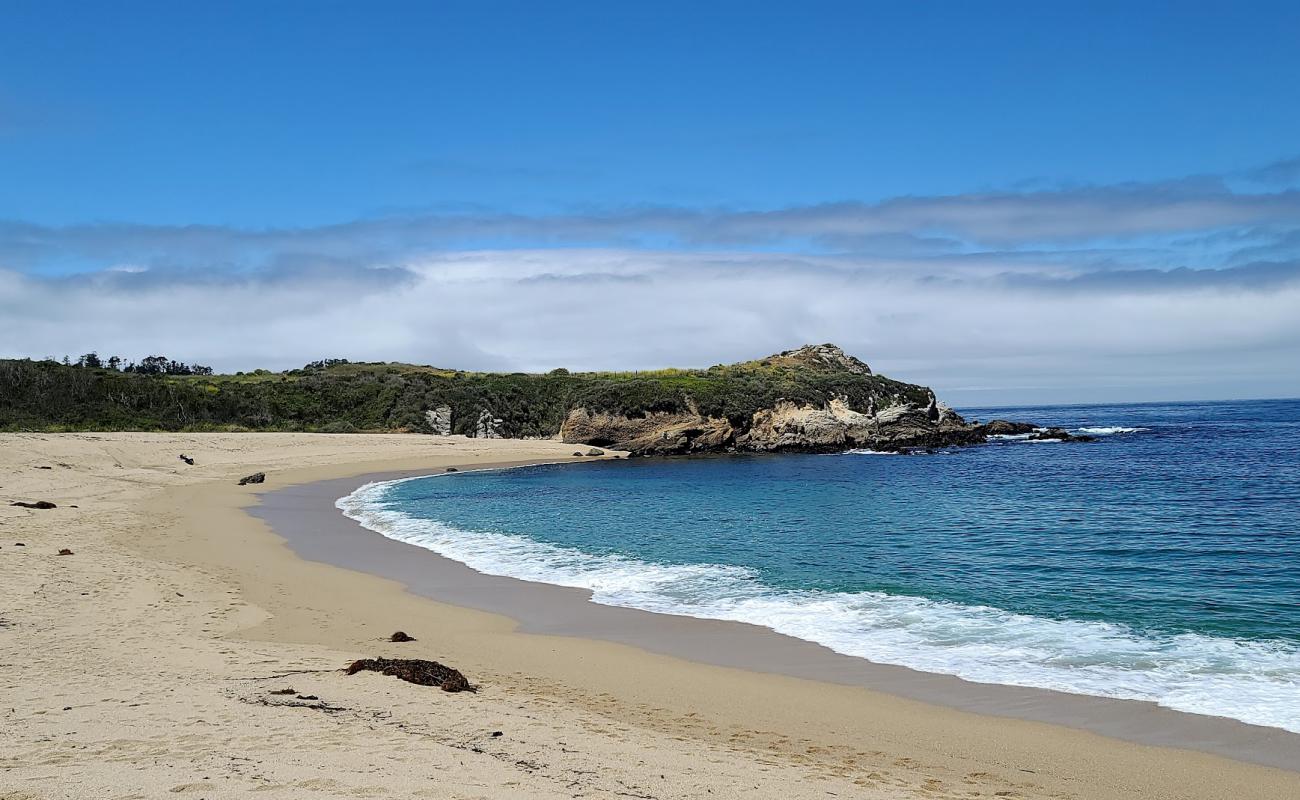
point(144, 664)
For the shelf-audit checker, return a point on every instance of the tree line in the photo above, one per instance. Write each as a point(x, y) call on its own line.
point(149, 365)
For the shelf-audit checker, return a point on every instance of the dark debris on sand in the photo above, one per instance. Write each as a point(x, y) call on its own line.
point(415, 670)
point(256, 477)
point(401, 636)
point(37, 504)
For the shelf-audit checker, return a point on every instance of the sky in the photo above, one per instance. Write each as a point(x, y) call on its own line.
point(1010, 202)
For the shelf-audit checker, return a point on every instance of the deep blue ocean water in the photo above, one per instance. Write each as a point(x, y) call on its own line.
point(1161, 562)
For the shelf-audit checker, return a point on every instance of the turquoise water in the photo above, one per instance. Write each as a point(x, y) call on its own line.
point(1160, 563)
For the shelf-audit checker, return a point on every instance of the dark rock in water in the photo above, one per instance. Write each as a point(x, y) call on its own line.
point(1002, 427)
point(401, 636)
point(65, 552)
point(415, 670)
point(37, 504)
point(187, 459)
point(256, 477)
point(595, 451)
point(452, 469)
point(1059, 435)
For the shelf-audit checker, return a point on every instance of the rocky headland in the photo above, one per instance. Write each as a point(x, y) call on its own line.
point(857, 409)
point(816, 398)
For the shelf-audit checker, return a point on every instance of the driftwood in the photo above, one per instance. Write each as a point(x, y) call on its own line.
point(37, 504)
point(415, 670)
point(256, 477)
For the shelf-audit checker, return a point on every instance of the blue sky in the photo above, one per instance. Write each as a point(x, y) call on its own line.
point(1138, 159)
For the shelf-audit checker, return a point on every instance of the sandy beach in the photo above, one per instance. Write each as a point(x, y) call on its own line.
point(147, 662)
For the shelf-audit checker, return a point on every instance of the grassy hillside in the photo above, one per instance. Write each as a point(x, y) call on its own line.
point(347, 397)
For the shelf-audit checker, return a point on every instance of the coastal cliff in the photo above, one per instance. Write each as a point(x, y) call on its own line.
point(815, 398)
point(837, 403)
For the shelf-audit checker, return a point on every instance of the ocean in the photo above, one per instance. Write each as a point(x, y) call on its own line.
point(1159, 563)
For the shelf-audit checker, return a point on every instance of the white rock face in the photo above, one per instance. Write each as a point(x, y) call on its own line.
point(788, 425)
point(488, 426)
point(439, 420)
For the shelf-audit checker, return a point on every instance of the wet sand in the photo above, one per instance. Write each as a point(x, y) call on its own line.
point(306, 517)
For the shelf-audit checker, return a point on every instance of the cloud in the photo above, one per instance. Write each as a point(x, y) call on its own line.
point(1285, 172)
point(1148, 215)
point(1035, 334)
point(1180, 288)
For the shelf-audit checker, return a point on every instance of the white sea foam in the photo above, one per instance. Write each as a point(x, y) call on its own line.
point(1251, 681)
point(862, 451)
point(1101, 430)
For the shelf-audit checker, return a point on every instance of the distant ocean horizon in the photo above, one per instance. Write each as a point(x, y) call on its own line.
point(1159, 563)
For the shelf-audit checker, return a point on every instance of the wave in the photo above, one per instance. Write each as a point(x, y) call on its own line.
point(1253, 681)
point(1101, 430)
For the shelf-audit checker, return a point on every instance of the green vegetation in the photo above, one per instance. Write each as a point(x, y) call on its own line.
point(339, 397)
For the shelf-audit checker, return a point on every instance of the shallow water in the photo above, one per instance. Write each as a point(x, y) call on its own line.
point(1159, 563)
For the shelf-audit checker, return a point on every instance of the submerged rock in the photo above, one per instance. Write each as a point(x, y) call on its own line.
point(1059, 435)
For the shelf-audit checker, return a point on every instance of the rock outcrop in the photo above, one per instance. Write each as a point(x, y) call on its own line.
point(1002, 427)
point(439, 420)
point(826, 356)
point(655, 433)
point(487, 426)
point(858, 410)
point(786, 427)
point(1059, 435)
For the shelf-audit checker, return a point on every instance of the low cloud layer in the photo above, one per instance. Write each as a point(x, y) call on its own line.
point(1185, 288)
point(1255, 207)
point(980, 336)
